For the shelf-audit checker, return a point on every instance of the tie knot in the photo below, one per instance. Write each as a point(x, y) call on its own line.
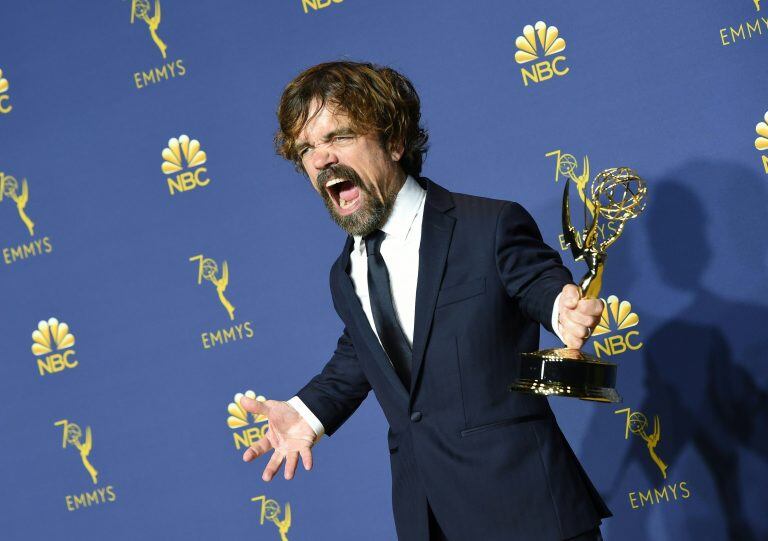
point(373, 241)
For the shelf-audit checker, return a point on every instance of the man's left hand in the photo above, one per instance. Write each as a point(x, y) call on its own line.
point(577, 317)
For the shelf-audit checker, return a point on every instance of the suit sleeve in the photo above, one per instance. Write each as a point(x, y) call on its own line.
point(339, 389)
point(531, 271)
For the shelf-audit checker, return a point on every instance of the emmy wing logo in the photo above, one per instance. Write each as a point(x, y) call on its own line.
point(761, 143)
point(248, 432)
point(9, 189)
point(270, 510)
point(71, 435)
point(757, 4)
point(669, 491)
point(140, 12)
point(52, 344)
point(16, 194)
point(208, 270)
point(184, 158)
point(5, 107)
point(617, 317)
point(536, 42)
point(637, 424)
point(144, 14)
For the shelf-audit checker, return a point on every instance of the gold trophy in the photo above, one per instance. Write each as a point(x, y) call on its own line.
point(617, 194)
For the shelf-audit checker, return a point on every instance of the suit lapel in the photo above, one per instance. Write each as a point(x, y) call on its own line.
point(360, 320)
point(436, 233)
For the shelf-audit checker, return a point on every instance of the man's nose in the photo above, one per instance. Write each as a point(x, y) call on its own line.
point(324, 158)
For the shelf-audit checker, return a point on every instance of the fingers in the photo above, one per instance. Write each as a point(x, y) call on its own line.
point(291, 461)
point(255, 406)
point(306, 458)
point(570, 296)
point(577, 316)
point(257, 449)
point(590, 307)
point(272, 466)
point(573, 334)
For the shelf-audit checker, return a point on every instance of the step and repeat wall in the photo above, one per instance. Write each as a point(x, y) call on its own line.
point(158, 258)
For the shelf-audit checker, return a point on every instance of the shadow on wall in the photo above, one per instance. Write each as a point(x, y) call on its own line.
point(700, 364)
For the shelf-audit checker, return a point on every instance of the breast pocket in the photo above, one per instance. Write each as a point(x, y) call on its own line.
point(452, 294)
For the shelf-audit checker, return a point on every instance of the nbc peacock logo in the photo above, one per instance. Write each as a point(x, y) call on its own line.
point(249, 427)
point(761, 143)
point(52, 344)
point(5, 107)
point(183, 161)
point(536, 43)
point(618, 322)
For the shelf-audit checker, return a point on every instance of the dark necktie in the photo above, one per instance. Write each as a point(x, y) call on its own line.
point(387, 326)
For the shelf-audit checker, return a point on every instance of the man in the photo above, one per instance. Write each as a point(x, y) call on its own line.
point(439, 293)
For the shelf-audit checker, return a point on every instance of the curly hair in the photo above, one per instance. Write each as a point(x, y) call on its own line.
point(377, 100)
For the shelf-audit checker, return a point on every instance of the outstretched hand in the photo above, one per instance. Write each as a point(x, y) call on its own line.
point(577, 317)
point(288, 434)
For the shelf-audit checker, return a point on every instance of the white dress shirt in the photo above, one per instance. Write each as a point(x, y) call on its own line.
point(400, 250)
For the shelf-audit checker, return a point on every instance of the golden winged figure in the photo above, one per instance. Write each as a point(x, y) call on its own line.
point(221, 286)
point(651, 442)
point(140, 9)
point(581, 184)
point(85, 450)
point(21, 202)
point(284, 525)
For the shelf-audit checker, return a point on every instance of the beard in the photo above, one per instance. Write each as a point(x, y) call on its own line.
point(372, 213)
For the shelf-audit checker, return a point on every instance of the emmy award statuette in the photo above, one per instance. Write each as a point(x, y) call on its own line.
point(617, 195)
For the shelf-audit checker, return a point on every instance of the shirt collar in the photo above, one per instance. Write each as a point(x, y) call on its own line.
point(407, 204)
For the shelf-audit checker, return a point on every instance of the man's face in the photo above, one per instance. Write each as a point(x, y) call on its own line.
point(355, 175)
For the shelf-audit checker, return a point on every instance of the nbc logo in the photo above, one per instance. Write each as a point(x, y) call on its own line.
point(5, 107)
point(318, 4)
point(536, 42)
point(184, 158)
point(618, 318)
point(247, 432)
point(761, 143)
point(52, 344)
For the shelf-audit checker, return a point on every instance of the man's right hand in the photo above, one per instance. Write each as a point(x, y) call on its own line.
point(288, 434)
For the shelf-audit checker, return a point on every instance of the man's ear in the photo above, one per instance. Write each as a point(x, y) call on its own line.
point(396, 150)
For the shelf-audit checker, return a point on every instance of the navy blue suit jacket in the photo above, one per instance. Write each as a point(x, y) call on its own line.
point(493, 464)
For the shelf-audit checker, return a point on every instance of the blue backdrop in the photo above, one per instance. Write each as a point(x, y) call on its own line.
point(89, 103)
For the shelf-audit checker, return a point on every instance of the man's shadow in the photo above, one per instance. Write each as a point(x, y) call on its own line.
point(699, 363)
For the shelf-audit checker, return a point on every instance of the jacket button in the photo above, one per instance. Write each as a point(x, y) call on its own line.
point(416, 416)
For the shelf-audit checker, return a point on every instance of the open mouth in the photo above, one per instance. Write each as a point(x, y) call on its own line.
point(344, 194)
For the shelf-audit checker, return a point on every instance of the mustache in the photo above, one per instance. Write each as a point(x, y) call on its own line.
point(339, 171)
